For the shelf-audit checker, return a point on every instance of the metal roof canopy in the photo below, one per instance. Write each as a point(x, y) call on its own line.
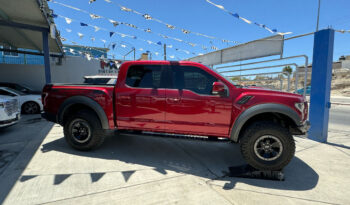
point(34, 16)
point(27, 24)
point(264, 47)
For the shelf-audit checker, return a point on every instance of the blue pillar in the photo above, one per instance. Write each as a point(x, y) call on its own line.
point(46, 57)
point(321, 84)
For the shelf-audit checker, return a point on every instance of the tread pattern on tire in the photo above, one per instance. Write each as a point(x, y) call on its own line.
point(97, 137)
point(264, 128)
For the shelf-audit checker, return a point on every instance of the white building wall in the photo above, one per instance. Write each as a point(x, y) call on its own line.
point(72, 70)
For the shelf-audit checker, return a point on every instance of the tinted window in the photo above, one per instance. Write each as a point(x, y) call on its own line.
point(192, 78)
point(144, 76)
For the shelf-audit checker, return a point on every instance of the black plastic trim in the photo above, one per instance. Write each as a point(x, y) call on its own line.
point(259, 109)
point(85, 101)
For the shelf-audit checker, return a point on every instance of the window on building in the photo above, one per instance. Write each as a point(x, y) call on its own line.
point(144, 76)
point(7, 53)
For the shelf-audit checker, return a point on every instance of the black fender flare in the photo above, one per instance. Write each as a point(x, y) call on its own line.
point(85, 101)
point(259, 109)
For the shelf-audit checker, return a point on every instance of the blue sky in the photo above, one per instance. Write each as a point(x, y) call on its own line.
point(297, 16)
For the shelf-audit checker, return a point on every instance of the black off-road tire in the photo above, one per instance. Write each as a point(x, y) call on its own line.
point(254, 133)
point(90, 120)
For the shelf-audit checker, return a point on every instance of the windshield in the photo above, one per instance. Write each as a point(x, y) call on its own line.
point(15, 91)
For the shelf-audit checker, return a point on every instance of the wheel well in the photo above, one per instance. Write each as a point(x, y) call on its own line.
point(29, 102)
point(278, 118)
point(73, 109)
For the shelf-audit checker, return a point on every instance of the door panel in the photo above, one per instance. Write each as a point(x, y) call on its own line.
point(141, 108)
point(140, 103)
point(191, 108)
point(196, 114)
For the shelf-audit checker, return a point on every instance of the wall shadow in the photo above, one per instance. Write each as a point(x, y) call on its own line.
point(207, 159)
point(23, 139)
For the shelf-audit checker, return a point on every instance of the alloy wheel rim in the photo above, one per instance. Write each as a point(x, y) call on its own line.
point(81, 131)
point(268, 147)
point(31, 108)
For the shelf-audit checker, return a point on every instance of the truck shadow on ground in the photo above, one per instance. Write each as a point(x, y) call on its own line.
point(206, 159)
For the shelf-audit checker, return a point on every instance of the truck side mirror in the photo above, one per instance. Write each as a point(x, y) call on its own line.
point(218, 88)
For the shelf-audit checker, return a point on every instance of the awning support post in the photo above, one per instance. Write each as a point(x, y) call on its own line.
point(46, 57)
point(321, 84)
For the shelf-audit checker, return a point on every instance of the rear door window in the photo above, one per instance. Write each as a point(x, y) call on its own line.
point(145, 76)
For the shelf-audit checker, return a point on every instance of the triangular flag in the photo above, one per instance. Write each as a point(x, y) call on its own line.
point(245, 20)
point(147, 16)
point(92, 38)
point(91, 1)
point(159, 43)
point(68, 30)
point(94, 16)
point(113, 46)
point(124, 46)
point(115, 23)
point(68, 20)
point(111, 34)
point(80, 35)
point(125, 9)
point(83, 24)
point(185, 31)
point(97, 28)
point(170, 26)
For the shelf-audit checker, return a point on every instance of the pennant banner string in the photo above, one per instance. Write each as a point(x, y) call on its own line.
point(236, 15)
point(146, 16)
point(115, 23)
point(96, 28)
point(113, 44)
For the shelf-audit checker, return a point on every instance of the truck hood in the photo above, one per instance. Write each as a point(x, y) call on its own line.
point(266, 91)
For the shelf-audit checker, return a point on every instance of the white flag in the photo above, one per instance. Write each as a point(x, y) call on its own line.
point(68, 20)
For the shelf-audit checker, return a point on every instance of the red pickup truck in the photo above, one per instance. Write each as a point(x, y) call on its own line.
point(180, 98)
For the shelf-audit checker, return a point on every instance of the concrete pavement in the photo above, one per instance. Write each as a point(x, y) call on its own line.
point(130, 169)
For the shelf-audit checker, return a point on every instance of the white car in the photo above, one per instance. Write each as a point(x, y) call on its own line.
point(9, 111)
point(28, 103)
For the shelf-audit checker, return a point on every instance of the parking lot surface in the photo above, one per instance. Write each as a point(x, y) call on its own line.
point(128, 169)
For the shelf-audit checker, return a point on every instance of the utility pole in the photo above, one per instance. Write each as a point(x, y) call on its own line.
point(134, 53)
point(318, 14)
point(164, 51)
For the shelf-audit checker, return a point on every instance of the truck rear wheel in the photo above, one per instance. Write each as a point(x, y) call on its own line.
point(82, 131)
point(267, 146)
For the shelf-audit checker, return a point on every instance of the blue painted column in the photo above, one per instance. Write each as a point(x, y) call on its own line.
point(46, 57)
point(321, 84)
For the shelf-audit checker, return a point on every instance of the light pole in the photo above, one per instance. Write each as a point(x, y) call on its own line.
point(318, 14)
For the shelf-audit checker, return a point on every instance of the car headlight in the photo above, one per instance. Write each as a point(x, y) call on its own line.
point(300, 106)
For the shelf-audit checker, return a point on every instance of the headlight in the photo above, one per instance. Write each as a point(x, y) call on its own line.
point(300, 106)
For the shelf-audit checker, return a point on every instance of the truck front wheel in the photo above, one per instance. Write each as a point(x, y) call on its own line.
point(82, 130)
point(267, 146)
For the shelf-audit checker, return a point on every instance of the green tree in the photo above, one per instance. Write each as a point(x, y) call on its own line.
point(286, 70)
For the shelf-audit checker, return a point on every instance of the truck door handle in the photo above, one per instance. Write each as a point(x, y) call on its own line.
point(173, 100)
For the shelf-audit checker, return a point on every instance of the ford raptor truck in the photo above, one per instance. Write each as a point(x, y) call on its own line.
point(184, 98)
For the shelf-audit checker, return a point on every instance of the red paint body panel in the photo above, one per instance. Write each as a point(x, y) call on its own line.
point(169, 110)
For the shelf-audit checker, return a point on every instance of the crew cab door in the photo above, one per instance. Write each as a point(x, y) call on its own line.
point(140, 99)
point(192, 107)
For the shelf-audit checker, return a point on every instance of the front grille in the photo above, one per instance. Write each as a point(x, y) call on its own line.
point(11, 107)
